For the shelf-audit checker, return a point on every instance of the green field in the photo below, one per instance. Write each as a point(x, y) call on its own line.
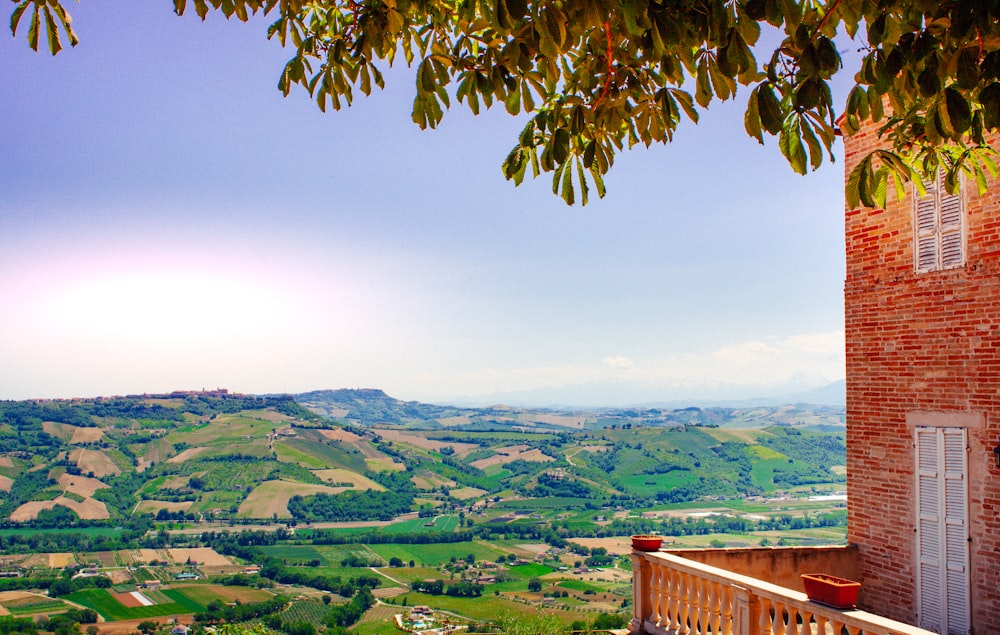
point(34, 606)
point(420, 525)
point(111, 609)
point(483, 609)
point(309, 611)
point(435, 554)
point(525, 571)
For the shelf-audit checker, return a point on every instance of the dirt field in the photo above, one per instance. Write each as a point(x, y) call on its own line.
point(431, 481)
point(189, 453)
point(384, 464)
point(175, 482)
point(565, 421)
point(461, 449)
point(269, 415)
point(618, 546)
point(149, 555)
point(339, 434)
point(465, 493)
point(513, 453)
point(89, 509)
point(94, 461)
point(127, 600)
point(6, 461)
point(80, 485)
point(5, 483)
point(535, 548)
point(72, 434)
point(340, 475)
point(151, 507)
point(200, 555)
point(131, 627)
point(271, 497)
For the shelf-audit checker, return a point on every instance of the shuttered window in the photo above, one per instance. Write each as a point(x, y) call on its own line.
point(940, 232)
point(942, 531)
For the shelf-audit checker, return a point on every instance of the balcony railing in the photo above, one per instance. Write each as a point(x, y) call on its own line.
point(677, 596)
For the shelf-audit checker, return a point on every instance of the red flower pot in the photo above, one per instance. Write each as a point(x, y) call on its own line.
point(830, 590)
point(647, 543)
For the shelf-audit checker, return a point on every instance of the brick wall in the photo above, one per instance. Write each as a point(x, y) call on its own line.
point(922, 349)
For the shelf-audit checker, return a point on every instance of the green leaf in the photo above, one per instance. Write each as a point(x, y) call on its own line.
point(33, 30)
point(989, 97)
point(967, 72)
point(791, 146)
point(813, 144)
point(769, 108)
point(929, 82)
point(15, 17)
point(52, 30)
point(959, 112)
point(751, 118)
point(686, 103)
point(703, 92)
point(852, 189)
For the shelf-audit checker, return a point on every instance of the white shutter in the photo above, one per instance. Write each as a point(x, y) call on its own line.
point(939, 233)
point(956, 530)
point(942, 531)
point(926, 222)
point(930, 610)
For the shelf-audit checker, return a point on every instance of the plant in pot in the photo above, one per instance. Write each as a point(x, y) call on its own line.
point(831, 590)
point(646, 542)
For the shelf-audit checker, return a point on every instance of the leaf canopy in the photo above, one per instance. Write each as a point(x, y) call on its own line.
point(599, 76)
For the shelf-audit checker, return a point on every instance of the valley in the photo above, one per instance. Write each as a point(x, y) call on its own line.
point(350, 505)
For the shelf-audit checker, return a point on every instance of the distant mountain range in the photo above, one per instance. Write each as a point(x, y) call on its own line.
point(612, 394)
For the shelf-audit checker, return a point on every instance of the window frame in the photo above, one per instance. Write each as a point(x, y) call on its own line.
point(939, 227)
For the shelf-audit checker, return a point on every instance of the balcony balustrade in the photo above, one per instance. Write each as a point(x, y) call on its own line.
point(678, 596)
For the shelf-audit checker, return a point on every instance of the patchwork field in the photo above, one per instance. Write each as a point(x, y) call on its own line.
point(435, 554)
point(72, 434)
point(416, 440)
point(88, 509)
point(94, 461)
point(151, 506)
point(340, 434)
point(199, 555)
point(186, 455)
point(384, 464)
point(466, 493)
point(150, 604)
point(575, 422)
point(80, 485)
point(271, 498)
point(357, 481)
point(513, 453)
point(431, 481)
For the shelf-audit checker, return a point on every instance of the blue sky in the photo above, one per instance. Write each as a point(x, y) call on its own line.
point(168, 220)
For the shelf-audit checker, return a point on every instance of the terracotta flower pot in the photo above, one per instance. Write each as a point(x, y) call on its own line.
point(646, 543)
point(830, 590)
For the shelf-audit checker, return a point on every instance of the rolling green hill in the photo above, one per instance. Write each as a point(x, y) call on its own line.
point(362, 455)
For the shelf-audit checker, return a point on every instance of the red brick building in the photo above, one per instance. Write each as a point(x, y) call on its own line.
point(922, 302)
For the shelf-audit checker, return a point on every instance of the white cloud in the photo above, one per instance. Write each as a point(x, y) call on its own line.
point(618, 362)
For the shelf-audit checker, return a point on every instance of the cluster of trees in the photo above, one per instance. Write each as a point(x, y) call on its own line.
point(358, 562)
point(562, 487)
point(343, 616)
point(243, 547)
point(216, 611)
point(350, 505)
point(463, 589)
